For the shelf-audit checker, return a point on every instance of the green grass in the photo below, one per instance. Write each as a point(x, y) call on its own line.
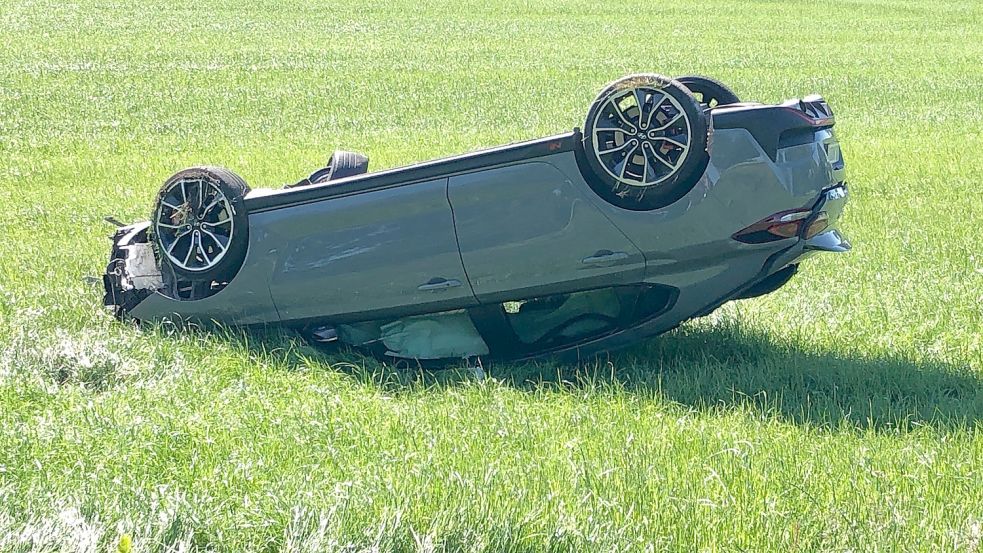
point(840, 413)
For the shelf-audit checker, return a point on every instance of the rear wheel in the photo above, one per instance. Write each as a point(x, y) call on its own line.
point(199, 225)
point(645, 142)
point(341, 164)
point(709, 92)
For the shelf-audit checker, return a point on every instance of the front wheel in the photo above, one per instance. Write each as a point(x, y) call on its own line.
point(199, 224)
point(645, 142)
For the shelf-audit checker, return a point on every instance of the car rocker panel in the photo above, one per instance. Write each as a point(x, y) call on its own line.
point(675, 199)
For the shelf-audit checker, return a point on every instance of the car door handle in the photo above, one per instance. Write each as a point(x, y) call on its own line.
point(438, 283)
point(602, 257)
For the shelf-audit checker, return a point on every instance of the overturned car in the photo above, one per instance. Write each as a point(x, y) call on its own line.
point(675, 198)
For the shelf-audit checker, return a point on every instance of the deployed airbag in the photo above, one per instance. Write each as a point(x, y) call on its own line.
point(446, 335)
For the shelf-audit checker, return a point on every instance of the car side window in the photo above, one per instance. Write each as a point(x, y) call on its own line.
point(565, 319)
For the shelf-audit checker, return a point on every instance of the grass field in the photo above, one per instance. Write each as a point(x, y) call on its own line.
point(840, 413)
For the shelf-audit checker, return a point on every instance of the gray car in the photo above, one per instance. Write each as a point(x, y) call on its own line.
point(674, 199)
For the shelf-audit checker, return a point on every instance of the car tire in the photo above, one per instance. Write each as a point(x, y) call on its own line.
point(341, 164)
point(199, 226)
point(645, 142)
point(709, 92)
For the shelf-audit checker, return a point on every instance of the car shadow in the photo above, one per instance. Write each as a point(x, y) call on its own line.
point(716, 368)
point(730, 367)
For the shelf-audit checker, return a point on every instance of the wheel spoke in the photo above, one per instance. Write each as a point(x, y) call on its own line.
point(204, 254)
point(180, 235)
point(640, 93)
point(640, 100)
point(617, 111)
point(669, 122)
point(217, 223)
point(222, 247)
point(651, 154)
point(645, 164)
point(656, 155)
point(195, 245)
point(191, 249)
point(624, 165)
point(165, 225)
point(176, 240)
point(671, 141)
point(614, 126)
point(628, 157)
point(615, 149)
point(655, 109)
point(170, 205)
point(214, 203)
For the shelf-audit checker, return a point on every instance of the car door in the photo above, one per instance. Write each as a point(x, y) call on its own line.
point(384, 253)
point(526, 230)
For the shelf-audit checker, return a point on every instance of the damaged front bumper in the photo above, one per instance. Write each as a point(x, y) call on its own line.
point(132, 273)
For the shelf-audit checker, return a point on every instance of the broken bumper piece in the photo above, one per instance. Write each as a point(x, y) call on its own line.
point(132, 273)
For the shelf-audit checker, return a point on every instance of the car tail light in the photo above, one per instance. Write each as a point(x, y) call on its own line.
point(784, 224)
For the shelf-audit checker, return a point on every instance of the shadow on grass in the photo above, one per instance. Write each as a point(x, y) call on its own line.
point(728, 366)
point(713, 370)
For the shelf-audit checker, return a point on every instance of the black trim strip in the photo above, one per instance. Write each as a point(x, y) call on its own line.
point(410, 174)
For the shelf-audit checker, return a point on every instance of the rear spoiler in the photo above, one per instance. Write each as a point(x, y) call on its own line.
point(777, 126)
